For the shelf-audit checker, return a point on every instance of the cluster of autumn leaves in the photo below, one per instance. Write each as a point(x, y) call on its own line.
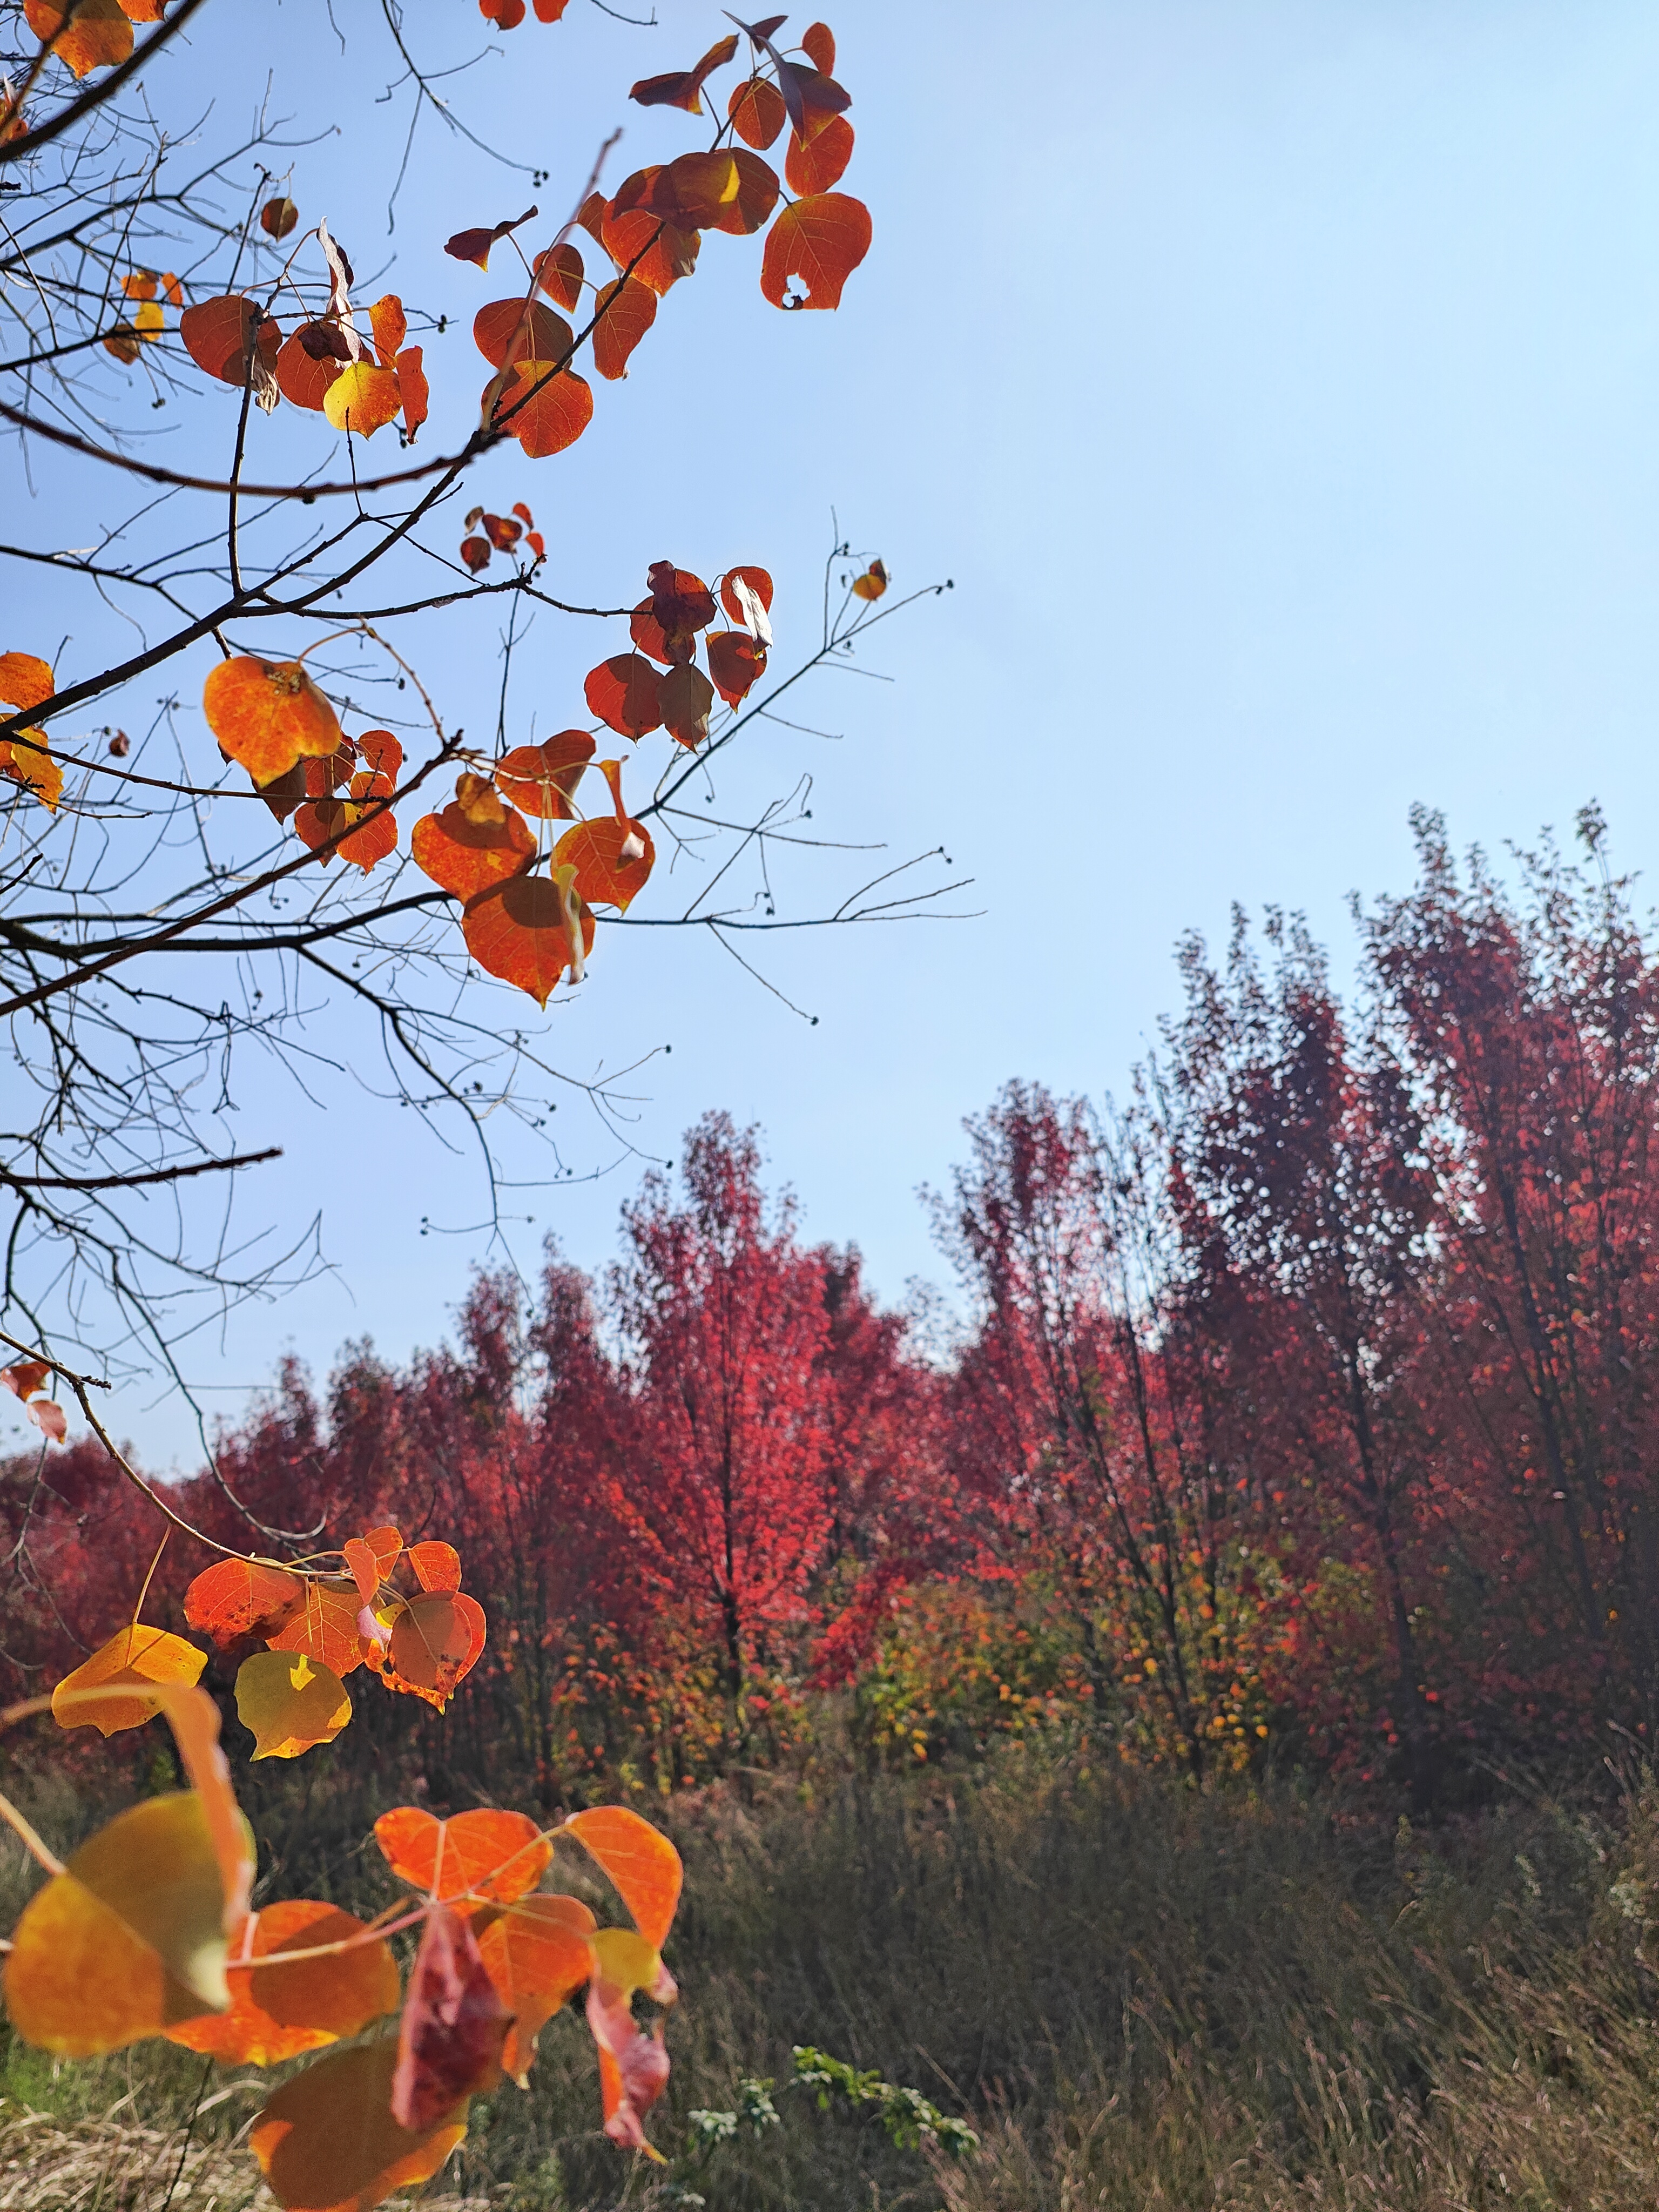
point(147, 1931)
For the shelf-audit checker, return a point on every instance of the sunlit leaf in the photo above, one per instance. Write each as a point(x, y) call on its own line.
point(623, 313)
point(757, 112)
point(735, 662)
point(871, 584)
point(559, 273)
point(128, 1940)
point(684, 88)
point(325, 1628)
point(437, 1565)
point(814, 168)
point(134, 1656)
point(544, 411)
point(26, 682)
point(326, 2141)
point(466, 851)
point(303, 374)
point(474, 244)
point(643, 1866)
point(449, 2045)
point(87, 35)
point(659, 253)
point(612, 858)
point(530, 932)
point(390, 324)
point(816, 242)
point(746, 595)
point(621, 692)
point(288, 1702)
point(362, 398)
point(437, 1638)
point(267, 714)
point(537, 1955)
point(236, 1598)
point(542, 779)
point(218, 333)
point(487, 1855)
point(819, 43)
point(26, 759)
point(279, 2012)
point(521, 329)
point(412, 387)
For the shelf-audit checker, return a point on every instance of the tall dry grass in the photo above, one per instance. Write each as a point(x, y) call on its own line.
point(1139, 1998)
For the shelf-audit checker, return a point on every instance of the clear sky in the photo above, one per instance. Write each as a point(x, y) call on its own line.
point(1278, 381)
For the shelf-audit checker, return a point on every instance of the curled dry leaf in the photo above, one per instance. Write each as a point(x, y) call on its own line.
point(326, 2141)
point(268, 714)
point(279, 2012)
point(633, 2061)
point(449, 2044)
point(816, 242)
point(757, 113)
point(109, 1691)
point(288, 1702)
point(529, 931)
point(27, 1376)
point(491, 1856)
point(85, 35)
point(128, 1940)
point(684, 88)
point(542, 779)
point(413, 388)
point(537, 1955)
point(474, 244)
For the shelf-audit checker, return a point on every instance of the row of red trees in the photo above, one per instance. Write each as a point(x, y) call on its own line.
point(1305, 1406)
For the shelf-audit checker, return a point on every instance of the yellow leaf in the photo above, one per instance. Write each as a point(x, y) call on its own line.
point(362, 398)
point(134, 1657)
point(288, 1703)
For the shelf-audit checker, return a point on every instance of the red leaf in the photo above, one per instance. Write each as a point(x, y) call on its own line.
point(25, 1378)
point(757, 584)
point(659, 253)
point(757, 112)
point(684, 88)
point(819, 241)
point(475, 552)
point(302, 375)
point(520, 329)
point(471, 846)
point(474, 244)
point(412, 384)
point(541, 779)
point(527, 931)
point(623, 313)
point(217, 333)
point(736, 664)
point(544, 411)
point(818, 41)
point(436, 1640)
point(454, 2023)
point(646, 633)
point(682, 604)
point(559, 273)
point(612, 858)
point(621, 692)
point(814, 168)
point(811, 97)
point(242, 1597)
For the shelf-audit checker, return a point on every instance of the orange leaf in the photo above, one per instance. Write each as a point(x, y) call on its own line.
point(242, 1597)
point(684, 88)
point(871, 584)
point(97, 36)
point(364, 1567)
point(143, 11)
point(735, 662)
point(643, 1866)
point(325, 1628)
point(133, 1658)
point(756, 197)
point(385, 757)
point(218, 332)
point(559, 273)
point(537, 1955)
point(520, 329)
point(278, 2012)
point(544, 411)
point(412, 387)
point(287, 1704)
point(819, 242)
point(659, 253)
point(542, 779)
point(818, 41)
point(303, 376)
point(454, 2023)
point(621, 692)
point(25, 1378)
point(646, 633)
point(489, 1856)
point(362, 399)
point(390, 324)
point(437, 1565)
point(268, 714)
point(26, 682)
point(686, 696)
point(526, 931)
point(467, 856)
point(741, 590)
point(692, 191)
point(623, 313)
point(605, 875)
point(757, 112)
point(814, 168)
point(375, 838)
point(436, 1640)
point(326, 2141)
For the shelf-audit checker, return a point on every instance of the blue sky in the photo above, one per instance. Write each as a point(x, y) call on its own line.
point(1277, 380)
